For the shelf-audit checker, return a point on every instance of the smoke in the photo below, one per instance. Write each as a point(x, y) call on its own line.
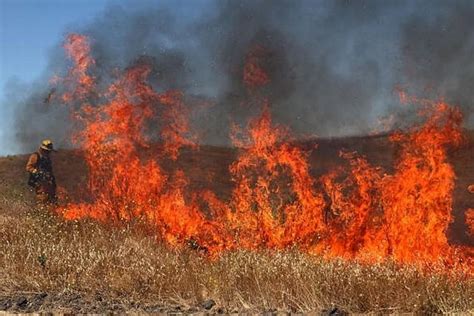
point(438, 54)
point(333, 64)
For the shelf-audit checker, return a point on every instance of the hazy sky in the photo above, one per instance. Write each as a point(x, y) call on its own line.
point(28, 30)
point(334, 63)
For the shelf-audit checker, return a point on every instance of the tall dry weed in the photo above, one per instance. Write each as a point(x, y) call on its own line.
point(41, 253)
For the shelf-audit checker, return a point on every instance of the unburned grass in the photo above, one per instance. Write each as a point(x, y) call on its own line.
point(40, 253)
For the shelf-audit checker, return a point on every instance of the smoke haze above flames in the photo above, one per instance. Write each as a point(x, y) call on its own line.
point(333, 64)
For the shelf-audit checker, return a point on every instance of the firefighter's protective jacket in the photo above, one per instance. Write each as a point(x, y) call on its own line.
point(41, 173)
point(39, 163)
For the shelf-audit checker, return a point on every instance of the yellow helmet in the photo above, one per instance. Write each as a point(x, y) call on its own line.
point(47, 145)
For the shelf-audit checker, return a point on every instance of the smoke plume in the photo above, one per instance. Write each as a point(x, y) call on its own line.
point(333, 64)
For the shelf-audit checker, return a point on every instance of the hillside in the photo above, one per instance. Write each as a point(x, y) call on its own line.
point(207, 168)
point(48, 264)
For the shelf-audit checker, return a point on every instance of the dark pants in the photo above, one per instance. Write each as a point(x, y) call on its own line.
point(45, 193)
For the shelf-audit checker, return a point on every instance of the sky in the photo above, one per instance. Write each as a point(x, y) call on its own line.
point(29, 29)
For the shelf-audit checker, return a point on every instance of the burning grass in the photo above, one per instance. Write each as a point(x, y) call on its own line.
point(283, 238)
point(360, 211)
point(127, 267)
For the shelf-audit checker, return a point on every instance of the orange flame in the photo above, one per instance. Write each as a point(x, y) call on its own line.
point(418, 197)
point(470, 221)
point(274, 202)
point(254, 74)
point(77, 48)
point(360, 212)
point(354, 217)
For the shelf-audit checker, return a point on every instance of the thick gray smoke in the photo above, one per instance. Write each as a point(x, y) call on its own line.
point(438, 53)
point(333, 64)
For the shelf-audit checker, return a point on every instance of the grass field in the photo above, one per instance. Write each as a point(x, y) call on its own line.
point(48, 264)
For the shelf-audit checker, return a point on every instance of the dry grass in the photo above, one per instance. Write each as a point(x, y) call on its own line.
point(86, 267)
point(40, 253)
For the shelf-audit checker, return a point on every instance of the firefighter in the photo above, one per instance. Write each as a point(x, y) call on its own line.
point(41, 176)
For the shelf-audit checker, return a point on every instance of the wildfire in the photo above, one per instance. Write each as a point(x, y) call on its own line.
point(360, 212)
point(418, 197)
point(354, 213)
point(274, 202)
point(79, 82)
point(254, 74)
point(470, 221)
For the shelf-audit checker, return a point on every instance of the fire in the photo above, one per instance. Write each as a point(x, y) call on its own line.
point(404, 215)
point(418, 197)
point(79, 82)
point(470, 221)
point(356, 212)
point(274, 202)
point(254, 74)
point(123, 185)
